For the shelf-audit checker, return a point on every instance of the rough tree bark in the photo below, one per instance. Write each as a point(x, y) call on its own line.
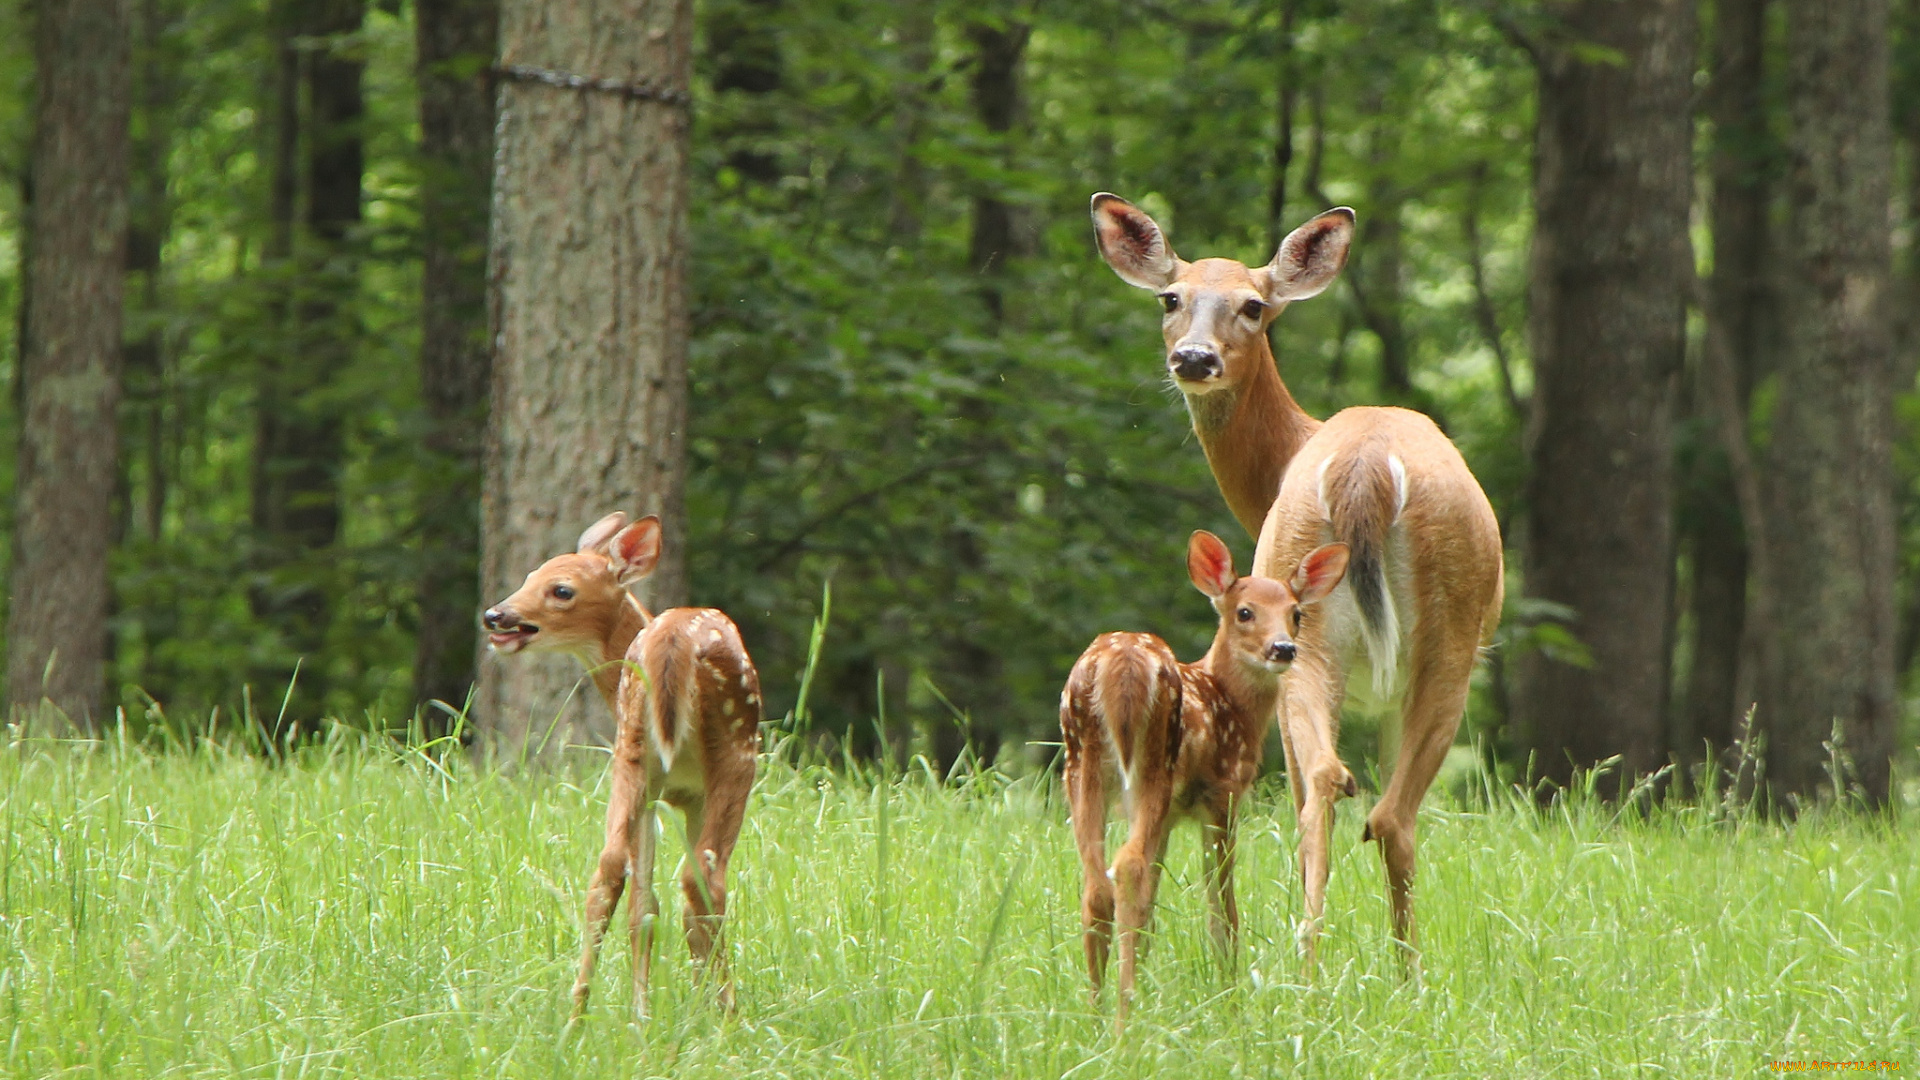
point(1831, 520)
point(299, 432)
point(455, 43)
point(1738, 304)
point(70, 363)
point(589, 313)
point(1611, 267)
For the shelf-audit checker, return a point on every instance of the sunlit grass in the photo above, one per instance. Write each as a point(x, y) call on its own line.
point(365, 912)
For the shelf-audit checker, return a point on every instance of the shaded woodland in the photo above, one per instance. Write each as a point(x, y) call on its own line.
point(816, 282)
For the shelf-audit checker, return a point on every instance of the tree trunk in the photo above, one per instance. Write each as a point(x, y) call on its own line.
point(999, 103)
point(908, 198)
point(743, 51)
point(70, 363)
point(1611, 267)
point(148, 221)
point(589, 314)
point(1738, 304)
point(455, 44)
point(1287, 92)
point(1831, 520)
point(300, 431)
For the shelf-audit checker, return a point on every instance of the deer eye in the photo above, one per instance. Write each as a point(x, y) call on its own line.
point(1170, 302)
point(1297, 616)
point(1245, 614)
point(563, 592)
point(1252, 310)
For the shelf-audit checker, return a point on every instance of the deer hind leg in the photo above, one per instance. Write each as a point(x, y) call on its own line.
point(1087, 800)
point(626, 795)
point(1320, 782)
point(713, 825)
point(1134, 878)
point(1223, 912)
point(1436, 699)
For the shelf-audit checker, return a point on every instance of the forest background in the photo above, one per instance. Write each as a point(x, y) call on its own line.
point(908, 373)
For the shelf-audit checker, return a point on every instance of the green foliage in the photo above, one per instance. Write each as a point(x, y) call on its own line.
point(365, 910)
point(1024, 484)
point(987, 465)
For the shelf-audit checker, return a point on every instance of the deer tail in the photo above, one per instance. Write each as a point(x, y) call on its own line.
point(1362, 493)
point(1136, 694)
point(671, 691)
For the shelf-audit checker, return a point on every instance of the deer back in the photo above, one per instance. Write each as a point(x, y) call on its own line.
point(690, 683)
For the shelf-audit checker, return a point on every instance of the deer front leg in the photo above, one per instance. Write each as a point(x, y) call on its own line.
point(1223, 912)
point(1324, 781)
point(643, 912)
point(626, 790)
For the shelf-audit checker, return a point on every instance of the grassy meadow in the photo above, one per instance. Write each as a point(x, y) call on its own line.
point(365, 911)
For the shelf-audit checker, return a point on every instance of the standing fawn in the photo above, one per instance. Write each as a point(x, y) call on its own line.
point(686, 699)
point(1184, 740)
point(1424, 589)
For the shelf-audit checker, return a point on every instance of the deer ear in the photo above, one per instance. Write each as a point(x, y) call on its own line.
point(1210, 564)
point(636, 549)
point(1131, 243)
point(1310, 257)
point(1318, 573)
point(598, 533)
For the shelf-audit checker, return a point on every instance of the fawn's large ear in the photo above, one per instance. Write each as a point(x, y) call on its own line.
point(636, 549)
point(1131, 243)
point(1210, 564)
point(1318, 573)
point(1310, 257)
point(598, 533)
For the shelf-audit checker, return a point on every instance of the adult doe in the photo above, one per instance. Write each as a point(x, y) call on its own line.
point(686, 699)
point(1424, 588)
point(1184, 741)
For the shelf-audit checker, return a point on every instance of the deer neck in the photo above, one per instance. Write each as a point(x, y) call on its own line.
point(1249, 434)
point(1250, 693)
point(628, 620)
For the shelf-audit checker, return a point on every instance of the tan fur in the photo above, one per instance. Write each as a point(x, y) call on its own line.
point(686, 698)
point(1445, 545)
point(1187, 739)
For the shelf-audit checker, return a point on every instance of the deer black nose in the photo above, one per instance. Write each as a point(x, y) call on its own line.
point(498, 619)
point(1281, 652)
point(1194, 363)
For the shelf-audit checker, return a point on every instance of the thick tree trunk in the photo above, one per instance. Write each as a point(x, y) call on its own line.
point(1611, 266)
point(455, 44)
point(1719, 686)
point(300, 433)
point(1831, 521)
point(589, 315)
point(70, 363)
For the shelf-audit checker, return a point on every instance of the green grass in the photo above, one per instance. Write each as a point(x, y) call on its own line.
point(360, 912)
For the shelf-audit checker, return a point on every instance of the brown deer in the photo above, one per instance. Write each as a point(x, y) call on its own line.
point(686, 698)
point(1423, 590)
point(1184, 741)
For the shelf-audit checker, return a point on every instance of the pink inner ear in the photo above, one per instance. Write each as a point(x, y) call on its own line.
point(1321, 571)
point(1210, 564)
point(638, 545)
